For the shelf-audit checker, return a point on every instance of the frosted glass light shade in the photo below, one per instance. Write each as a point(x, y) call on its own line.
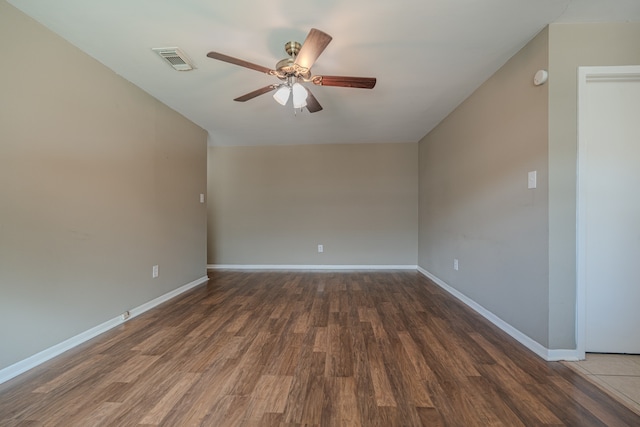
point(299, 96)
point(282, 95)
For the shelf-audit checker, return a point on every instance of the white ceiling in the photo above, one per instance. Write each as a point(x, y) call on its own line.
point(428, 56)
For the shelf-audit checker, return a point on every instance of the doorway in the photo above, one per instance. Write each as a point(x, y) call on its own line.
point(608, 220)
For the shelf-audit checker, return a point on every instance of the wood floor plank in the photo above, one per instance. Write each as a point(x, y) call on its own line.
point(442, 362)
point(408, 390)
point(339, 363)
point(102, 414)
point(306, 395)
point(214, 415)
point(502, 359)
point(381, 385)
point(132, 369)
point(203, 399)
point(99, 404)
point(160, 342)
point(340, 402)
point(371, 315)
point(422, 369)
point(286, 354)
point(528, 405)
point(301, 324)
point(362, 335)
point(492, 403)
point(430, 417)
point(70, 376)
point(197, 355)
point(321, 342)
point(455, 345)
point(168, 401)
point(415, 388)
point(143, 394)
point(269, 396)
point(249, 369)
point(309, 348)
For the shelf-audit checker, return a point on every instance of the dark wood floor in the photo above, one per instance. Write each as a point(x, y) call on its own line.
point(307, 348)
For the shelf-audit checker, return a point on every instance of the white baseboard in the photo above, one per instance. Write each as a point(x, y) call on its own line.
point(536, 347)
point(22, 366)
point(307, 267)
point(565, 355)
point(166, 297)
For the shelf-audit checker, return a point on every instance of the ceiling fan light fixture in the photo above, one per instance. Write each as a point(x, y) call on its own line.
point(282, 94)
point(299, 96)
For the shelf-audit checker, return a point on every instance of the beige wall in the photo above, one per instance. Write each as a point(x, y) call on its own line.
point(474, 201)
point(473, 167)
point(98, 182)
point(571, 46)
point(274, 205)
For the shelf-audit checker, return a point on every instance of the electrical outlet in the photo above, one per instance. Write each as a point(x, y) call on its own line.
point(320, 248)
point(455, 264)
point(154, 271)
point(201, 198)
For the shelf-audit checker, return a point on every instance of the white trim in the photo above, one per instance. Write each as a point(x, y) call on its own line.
point(581, 290)
point(588, 75)
point(565, 355)
point(537, 348)
point(307, 267)
point(31, 362)
point(166, 297)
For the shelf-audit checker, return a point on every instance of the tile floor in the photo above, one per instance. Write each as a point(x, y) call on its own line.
point(618, 374)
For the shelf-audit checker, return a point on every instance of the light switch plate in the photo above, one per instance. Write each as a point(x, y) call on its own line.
point(532, 181)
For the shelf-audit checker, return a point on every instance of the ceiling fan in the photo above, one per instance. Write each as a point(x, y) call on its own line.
point(296, 70)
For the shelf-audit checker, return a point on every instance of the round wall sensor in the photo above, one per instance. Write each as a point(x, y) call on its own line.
point(540, 78)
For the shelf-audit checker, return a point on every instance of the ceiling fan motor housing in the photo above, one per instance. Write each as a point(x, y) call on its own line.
point(287, 67)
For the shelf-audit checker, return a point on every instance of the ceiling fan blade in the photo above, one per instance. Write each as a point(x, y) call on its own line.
point(312, 103)
point(312, 47)
point(240, 62)
point(255, 93)
point(343, 81)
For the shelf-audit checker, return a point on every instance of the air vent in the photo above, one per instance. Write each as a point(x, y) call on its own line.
point(174, 57)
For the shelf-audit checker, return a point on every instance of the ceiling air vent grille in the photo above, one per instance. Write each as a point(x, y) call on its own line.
point(174, 57)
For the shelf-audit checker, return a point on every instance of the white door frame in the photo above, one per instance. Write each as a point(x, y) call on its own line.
point(588, 75)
